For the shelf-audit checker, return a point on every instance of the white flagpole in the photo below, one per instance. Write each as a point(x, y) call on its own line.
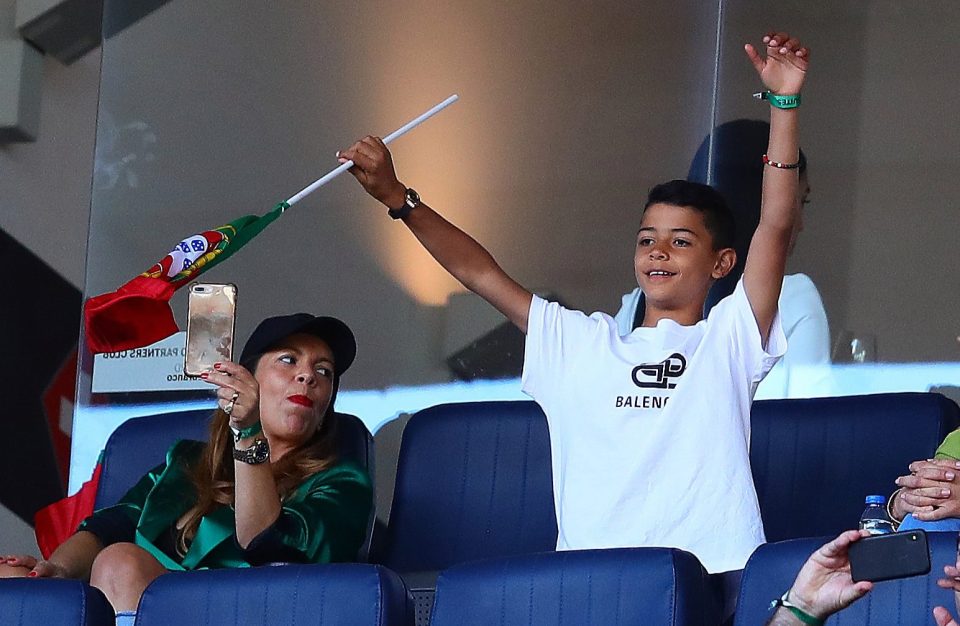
point(403, 130)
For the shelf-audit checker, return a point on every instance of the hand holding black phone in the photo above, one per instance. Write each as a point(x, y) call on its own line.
point(890, 556)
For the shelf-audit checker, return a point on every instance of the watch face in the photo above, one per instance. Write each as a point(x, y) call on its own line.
point(413, 198)
point(261, 451)
point(258, 453)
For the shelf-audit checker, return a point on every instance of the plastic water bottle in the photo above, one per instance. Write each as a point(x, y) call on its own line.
point(874, 518)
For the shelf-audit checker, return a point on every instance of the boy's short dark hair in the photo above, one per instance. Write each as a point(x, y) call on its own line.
point(716, 214)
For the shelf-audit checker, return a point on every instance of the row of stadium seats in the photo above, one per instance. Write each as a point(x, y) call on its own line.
point(474, 482)
point(631, 586)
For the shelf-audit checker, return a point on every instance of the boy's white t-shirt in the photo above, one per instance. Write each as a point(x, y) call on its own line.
point(804, 370)
point(649, 433)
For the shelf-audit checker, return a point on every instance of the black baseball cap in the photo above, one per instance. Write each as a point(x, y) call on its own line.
point(272, 330)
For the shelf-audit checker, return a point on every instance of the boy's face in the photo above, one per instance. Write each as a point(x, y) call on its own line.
point(675, 260)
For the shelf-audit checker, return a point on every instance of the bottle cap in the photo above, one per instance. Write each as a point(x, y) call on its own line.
point(876, 500)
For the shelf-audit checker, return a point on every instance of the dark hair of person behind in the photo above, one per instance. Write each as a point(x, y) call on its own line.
point(731, 159)
point(703, 198)
point(213, 477)
point(736, 171)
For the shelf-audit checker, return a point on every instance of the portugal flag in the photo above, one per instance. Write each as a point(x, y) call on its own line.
point(138, 313)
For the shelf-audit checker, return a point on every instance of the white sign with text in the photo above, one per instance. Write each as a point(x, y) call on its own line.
point(157, 367)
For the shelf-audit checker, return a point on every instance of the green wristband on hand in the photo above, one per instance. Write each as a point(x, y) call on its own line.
point(245, 433)
point(781, 102)
point(799, 613)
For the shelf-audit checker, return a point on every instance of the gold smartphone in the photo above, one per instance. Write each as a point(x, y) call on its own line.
point(211, 316)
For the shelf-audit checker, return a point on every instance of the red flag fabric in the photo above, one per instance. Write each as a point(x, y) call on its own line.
point(56, 522)
point(138, 313)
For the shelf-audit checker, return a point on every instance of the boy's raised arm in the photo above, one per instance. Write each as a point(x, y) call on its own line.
point(782, 70)
point(456, 251)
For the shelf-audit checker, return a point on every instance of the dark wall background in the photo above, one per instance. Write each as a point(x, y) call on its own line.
point(40, 321)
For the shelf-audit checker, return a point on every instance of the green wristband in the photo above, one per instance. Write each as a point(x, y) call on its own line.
point(249, 431)
point(781, 102)
point(799, 613)
point(806, 618)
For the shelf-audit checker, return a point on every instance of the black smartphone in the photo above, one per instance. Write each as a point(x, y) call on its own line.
point(890, 556)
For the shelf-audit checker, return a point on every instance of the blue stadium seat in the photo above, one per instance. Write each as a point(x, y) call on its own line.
point(628, 586)
point(27, 602)
point(815, 460)
point(141, 443)
point(773, 567)
point(321, 595)
point(473, 481)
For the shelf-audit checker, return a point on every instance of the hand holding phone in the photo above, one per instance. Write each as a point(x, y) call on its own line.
point(211, 314)
point(890, 556)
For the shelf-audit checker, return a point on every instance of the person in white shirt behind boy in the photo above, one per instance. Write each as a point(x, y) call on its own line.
point(649, 433)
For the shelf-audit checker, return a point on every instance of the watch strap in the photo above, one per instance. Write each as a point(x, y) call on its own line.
point(256, 454)
point(410, 202)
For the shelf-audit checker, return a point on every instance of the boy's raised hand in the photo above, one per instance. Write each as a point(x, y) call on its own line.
point(373, 169)
point(784, 67)
point(783, 70)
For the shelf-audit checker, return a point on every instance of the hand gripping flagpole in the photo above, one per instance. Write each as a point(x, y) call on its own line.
point(400, 132)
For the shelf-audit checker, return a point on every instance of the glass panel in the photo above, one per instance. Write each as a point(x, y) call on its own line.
point(568, 114)
point(879, 230)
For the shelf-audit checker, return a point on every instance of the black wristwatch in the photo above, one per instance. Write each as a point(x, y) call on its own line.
point(256, 454)
point(410, 202)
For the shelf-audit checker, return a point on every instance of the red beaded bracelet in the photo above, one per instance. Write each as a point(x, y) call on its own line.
point(779, 165)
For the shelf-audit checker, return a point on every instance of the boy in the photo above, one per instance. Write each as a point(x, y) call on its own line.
point(649, 432)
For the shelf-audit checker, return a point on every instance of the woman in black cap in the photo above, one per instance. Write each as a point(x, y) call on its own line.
point(266, 488)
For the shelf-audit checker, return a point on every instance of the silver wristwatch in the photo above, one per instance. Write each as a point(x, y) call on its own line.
point(256, 454)
point(410, 202)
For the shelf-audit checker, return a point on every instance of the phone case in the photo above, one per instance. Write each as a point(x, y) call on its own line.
point(894, 555)
point(211, 313)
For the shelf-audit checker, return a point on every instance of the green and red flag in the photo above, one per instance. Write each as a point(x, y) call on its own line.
point(54, 523)
point(138, 313)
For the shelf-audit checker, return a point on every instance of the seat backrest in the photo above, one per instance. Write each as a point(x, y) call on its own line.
point(52, 601)
point(585, 587)
point(774, 566)
point(473, 481)
point(815, 460)
point(333, 594)
point(141, 443)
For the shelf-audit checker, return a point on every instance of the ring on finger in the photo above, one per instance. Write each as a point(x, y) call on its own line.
point(228, 408)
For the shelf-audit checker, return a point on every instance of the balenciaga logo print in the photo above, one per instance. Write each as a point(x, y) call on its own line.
point(660, 375)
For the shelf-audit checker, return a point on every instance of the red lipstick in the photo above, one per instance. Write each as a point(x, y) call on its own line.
point(301, 400)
